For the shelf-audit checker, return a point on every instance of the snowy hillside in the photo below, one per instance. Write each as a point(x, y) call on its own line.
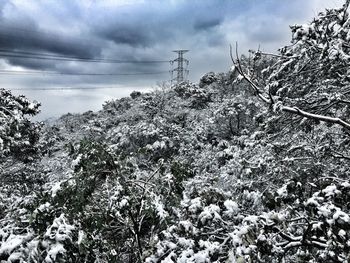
point(251, 165)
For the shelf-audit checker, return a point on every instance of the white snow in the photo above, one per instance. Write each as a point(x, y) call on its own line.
point(160, 208)
point(340, 216)
point(43, 207)
point(123, 203)
point(282, 192)
point(209, 212)
point(342, 233)
point(168, 258)
point(331, 190)
point(185, 256)
point(1, 144)
point(345, 185)
point(55, 250)
point(325, 210)
point(80, 236)
point(60, 230)
point(55, 188)
point(184, 242)
point(317, 225)
point(76, 161)
point(196, 204)
point(231, 207)
point(12, 242)
point(15, 257)
point(312, 201)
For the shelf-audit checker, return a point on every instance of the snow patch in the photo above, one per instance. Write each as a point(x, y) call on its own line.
point(231, 207)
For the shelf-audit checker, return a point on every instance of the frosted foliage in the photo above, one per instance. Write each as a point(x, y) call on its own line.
point(17, 133)
point(55, 237)
point(199, 173)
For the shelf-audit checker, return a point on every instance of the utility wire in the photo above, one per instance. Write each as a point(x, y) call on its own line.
point(31, 55)
point(43, 56)
point(46, 34)
point(23, 54)
point(17, 72)
point(66, 88)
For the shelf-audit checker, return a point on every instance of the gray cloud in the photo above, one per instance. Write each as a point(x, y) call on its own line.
point(266, 31)
point(127, 35)
point(20, 37)
point(207, 24)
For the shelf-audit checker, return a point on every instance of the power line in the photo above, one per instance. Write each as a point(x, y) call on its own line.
point(47, 34)
point(32, 55)
point(28, 55)
point(25, 54)
point(17, 72)
point(65, 88)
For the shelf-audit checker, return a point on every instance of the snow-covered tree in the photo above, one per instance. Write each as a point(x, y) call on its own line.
point(18, 134)
point(310, 77)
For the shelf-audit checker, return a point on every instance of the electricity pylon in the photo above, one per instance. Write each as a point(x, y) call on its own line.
point(180, 66)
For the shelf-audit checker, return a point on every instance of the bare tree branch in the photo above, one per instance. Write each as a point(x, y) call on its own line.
point(293, 110)
point(309, 115)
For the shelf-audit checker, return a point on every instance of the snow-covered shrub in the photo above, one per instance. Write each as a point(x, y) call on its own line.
point(207, 79)
point(199, 97)
point(297, 229)
point(57, 239)
point(210, 229)
point(135, 94)
point(18, 135)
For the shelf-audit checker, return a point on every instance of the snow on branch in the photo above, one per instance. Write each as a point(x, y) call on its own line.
point(281, 107)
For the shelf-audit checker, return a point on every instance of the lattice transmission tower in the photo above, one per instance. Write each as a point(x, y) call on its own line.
point(181, 70)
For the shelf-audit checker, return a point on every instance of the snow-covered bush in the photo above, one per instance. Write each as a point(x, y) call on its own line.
point(18, 135)
point(198, 96)
point(207, 79)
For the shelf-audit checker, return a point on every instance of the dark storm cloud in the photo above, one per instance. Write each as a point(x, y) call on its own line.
point(130, 27)
point(207, 24)
point(22, 31)
point(135, 34)
point(155, 22)
point(130, 36)
point(20, 37)
point(34, 64)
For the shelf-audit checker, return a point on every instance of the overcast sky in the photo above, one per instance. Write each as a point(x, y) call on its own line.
point(134, 30)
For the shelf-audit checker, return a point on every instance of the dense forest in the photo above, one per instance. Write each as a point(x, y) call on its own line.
point(251, 165)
